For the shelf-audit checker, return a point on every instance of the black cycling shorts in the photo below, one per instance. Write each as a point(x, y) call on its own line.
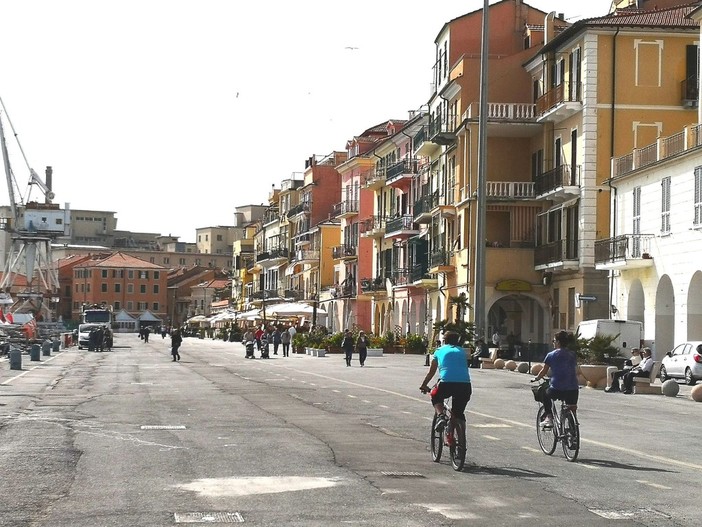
point(460, 393)
point(570, 397)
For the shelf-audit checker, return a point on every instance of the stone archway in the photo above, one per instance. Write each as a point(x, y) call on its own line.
point(521, 318)
point(376, 319)
point(404, 317)
point(382, 329)
point(694, 307)
point(395, 316)
point(665, 318)
point(636, 303)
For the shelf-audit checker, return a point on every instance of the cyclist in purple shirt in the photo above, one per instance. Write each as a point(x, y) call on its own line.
point(563, 385)
point(454, 378)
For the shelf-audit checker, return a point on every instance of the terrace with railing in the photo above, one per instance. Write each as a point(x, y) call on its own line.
point(556, 252)
point(508, 190)
point(624, 249)
point(559, 177)
point(503, 111)
point(689, 138)
point(298, 209)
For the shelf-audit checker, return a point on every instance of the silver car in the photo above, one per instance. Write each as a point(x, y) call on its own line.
point(683, 362)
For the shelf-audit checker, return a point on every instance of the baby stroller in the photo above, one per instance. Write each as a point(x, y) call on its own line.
point(264, 347)
point(249, 349)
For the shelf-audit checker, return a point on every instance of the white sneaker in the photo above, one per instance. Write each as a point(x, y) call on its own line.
point(441, 424)
point(547, 423)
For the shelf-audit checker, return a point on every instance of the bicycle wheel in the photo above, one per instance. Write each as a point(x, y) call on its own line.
point(437, 441)
point(546, 436)
point(571, 436)
point(457, 450)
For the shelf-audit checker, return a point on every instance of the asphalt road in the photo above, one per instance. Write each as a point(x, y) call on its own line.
point(129, 438)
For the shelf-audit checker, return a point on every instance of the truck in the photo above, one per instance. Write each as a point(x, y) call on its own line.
point(629, 333)
point(92, 317)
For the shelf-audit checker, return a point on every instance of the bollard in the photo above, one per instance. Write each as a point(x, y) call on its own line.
point(46, 348)
point(56, 346)
point(34, 352)
point(15, 358)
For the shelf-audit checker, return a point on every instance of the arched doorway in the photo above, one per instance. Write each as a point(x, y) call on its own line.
point(404, 317)
point(665, 318)
point(694, 307)
point(521, 319)
point(636, 303)
point(376, 320)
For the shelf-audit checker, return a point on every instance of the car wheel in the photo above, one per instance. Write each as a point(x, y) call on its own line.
point(689, 379)
point(664, 374)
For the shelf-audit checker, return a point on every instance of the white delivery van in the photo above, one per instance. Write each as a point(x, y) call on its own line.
point(630, 332)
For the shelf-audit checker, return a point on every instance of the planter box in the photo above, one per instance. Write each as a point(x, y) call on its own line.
point(375, 352)
point(316, 352)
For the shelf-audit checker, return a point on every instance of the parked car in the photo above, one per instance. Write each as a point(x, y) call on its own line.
point(683, 362)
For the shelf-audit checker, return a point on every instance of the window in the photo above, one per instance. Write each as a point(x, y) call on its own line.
point(555, 307)
point(104, 273)
point(157, 275)
point(103, 288)
point(155, 306)
point(571, 307)
point(117, 306)
point(207, 237)
point(118, 288)
point(636, 226)
point(130, 289)
point(156, 289)
point(142, 306)
point(665, 205)
point(130, 306)
point(219, 237)
point(142, 289)
point(130, 274)
point(144, 275)
point(698, 196)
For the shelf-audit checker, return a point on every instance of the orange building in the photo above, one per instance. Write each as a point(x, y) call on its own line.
point(122, 282)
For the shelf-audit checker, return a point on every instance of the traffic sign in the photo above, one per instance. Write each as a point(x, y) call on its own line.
point(588, 298)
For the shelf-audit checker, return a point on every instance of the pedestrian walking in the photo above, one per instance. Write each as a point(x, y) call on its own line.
point(147, 330)
point(362, 347)
point(277, 339)
point(176, 341)
point(285, 339)
point(347, 345)
point(259, 333)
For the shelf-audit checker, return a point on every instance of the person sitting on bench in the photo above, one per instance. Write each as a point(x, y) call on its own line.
point(642, 370)
point(628, 364)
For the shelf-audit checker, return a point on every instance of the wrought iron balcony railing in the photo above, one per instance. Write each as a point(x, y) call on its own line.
point(403, 223)
point(555, 252)
point(297, 209)
point(344, 251)
point(623, 248)
point(404, 167)
point(562, 176)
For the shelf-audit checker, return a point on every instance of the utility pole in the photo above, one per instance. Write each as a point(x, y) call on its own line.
point(480, 238)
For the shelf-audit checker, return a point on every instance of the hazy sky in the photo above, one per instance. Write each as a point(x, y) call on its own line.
point(173, 112)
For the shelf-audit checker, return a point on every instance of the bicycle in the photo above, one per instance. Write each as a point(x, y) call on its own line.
point(565, 428)
point(453, 435)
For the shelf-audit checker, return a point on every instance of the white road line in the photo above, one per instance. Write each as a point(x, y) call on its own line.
point(6, 383)
point(586, 465)
point(531, 449)
point(336, 391)
point(352, 396)
point(492, 438)
point(616, 448)
point(407, 413)
point(654, 485)
point(383, 406)
point(365, 401)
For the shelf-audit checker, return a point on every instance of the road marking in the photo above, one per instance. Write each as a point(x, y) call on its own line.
point(586, 465)
point(493, 438)
point(336, 391)
point(352, 396)
point(616, 448)
point(6, 383)
point(407, 413)
point(531, 449)
point(654, 485)
point(365, 401)
point(383, 406)
point(490, 425)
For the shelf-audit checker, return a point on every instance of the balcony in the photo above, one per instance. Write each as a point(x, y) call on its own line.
point(303, 239)
point(345, 209)
point(562, 254)
point(306, 256)
point(373, 227)
point(440, 262)
point(559, 103)
point(302, 208)
point(442, 132)
point(291, 294)
point(402, 227)
point(374, 179)
point(400, 174)
point(511, 190)
point(421, 146)
point(627, 251)
point(262, 256)
point(278, 254)
point(420, 276)
point(270, 216)
point(513, 119)
point(343, 291)
point(401, 277)
point(264, 294)
point(689, 89)
point(444, 205)
point(560, 183)
point(423, 207)
point(344, 252)
point(373, 286)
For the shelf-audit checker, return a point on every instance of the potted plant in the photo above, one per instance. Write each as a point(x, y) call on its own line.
point(414, 344)
point(377, 345)
point(595, 355)
point(334, 342)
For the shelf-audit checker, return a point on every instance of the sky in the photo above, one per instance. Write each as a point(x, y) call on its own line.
point(171, 113)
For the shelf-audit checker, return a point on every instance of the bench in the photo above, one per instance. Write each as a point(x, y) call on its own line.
point(488, 363)
point(646, 384)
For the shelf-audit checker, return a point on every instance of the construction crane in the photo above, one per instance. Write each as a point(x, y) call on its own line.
point(29, 234)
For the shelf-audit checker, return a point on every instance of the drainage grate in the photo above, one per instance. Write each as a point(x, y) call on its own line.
point(403, 474)
point(163, 427)
point(208, 517)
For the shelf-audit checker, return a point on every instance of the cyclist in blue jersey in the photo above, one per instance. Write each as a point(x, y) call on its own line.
point(454, 378)
point(563, 368)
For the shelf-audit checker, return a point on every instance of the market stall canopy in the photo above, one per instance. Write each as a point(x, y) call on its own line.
point(197, 319)
point(294, 309)
point(249, 315)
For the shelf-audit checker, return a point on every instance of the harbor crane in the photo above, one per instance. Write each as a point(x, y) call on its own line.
point(26, 238)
